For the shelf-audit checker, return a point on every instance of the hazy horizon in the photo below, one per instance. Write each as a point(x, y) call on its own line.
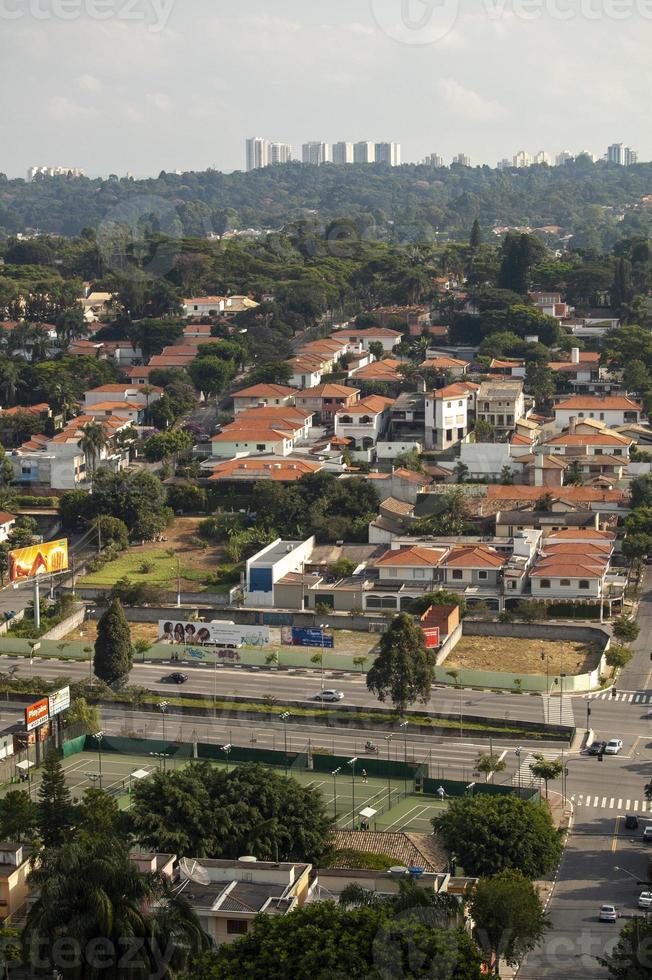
point(158, 85)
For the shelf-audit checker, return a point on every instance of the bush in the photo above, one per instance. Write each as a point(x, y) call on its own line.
point(619, 656)
point(626, 629)
point(136, 593)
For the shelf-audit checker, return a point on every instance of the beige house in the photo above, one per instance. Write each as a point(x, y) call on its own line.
point(501, 404)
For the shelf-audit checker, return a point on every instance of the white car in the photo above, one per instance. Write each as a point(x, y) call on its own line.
point(645, 900)
point(613, 746)
point(608, 913)
point(329, 695)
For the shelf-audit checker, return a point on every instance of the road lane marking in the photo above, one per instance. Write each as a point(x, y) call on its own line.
point(611, 802)
point(620, 805)
point(604, 801)
point(627, 805)
point(635, 805)
point(644, 806)
point(614, 839)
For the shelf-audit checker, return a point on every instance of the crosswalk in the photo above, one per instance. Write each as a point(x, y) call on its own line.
point(552, 713)
point(523, 775)
point(612, 803)
point(628, 697)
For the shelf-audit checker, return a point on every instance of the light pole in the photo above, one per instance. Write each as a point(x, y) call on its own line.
point(588, 716)
point(334, 774)
point(544, 656)
point(226, 749)
point(388, 740)
point(321, 633)
point(518, 758)
point(163, 705)
point(99, 736)
point(404, 725)
point(285, 717)
point(561, 694)
point(178, 583)
point(352, 763)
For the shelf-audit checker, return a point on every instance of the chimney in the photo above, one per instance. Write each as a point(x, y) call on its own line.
point(572, 425)
point(575, 355)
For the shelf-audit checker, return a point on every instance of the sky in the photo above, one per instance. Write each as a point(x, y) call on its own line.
point(147, 85)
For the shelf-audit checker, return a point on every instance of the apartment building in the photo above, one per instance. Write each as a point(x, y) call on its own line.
point(501, 404)
point(446, 417)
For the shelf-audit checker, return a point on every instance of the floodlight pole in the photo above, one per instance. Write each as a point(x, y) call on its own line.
point(37, 604)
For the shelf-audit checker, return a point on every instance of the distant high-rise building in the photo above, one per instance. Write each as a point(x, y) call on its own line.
point(389, 153)
point(462, 160)
point(543, 157)
point(257, 153)
point(434, 160)
point(616, 154)
point(316, 153)
point(364, 152)
point(504, 164)
point(280, 153)
point(563, 158)
point(630, 157)
point(342, 153)
point(522, 159)
point(54, 172)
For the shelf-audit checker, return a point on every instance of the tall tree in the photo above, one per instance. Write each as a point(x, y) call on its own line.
point(93, 441)
point(114, 651)
point(403, 671)
point(55, 808)
point(508, 916)
point(19, 816)
point(546, 769)
point(475, 240)
point(630, 957)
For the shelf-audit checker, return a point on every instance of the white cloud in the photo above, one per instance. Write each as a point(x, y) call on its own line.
point(63, 109)
point(89, 83)
point(467, 103)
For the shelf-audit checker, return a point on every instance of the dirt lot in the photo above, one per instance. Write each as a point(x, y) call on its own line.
point(512, 654)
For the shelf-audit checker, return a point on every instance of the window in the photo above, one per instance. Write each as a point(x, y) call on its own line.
point(236, 927)
point(565, 582)
point(393, 573)
point(419, 572)
point(584, 583)
point(483, 576)
point(458, 573)
point(260, 448)
point(545, 583)
point(449, 435)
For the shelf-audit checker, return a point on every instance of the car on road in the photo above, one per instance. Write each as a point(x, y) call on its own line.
point(645, 900)
point(647, 834)
point(329, 695)
point(631, 822)
point(596, 748)
point(175, 678)
point(608, 913)
point(613, 746)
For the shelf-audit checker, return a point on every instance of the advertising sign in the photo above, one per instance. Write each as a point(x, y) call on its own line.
point(59, 701)
point(216, 634)
point(38, 559)
point(307, 637)
point(431, 635)
point(37, 714)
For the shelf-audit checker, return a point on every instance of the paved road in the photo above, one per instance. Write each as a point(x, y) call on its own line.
point(223, 681)
point(602, 860)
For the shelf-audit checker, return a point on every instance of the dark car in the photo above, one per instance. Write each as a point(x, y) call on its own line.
point(596, 748)
point(176, 678)
point(631, 822)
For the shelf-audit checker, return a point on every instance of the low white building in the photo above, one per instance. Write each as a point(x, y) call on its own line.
point(203, 306)
point(613, 410)
point(263, 396)
point(271, 564)
point(263, 441)
point(361, 338)
point(365, 422)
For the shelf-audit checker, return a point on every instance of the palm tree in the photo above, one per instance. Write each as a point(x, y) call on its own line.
point(92, 443)
point(91, 891)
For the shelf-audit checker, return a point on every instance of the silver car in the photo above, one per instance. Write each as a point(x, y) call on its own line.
point(329, 695)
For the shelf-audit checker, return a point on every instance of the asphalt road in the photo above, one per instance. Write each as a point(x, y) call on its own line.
point(228, 681)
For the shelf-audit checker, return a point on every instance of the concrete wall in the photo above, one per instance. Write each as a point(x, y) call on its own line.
point(67, 625)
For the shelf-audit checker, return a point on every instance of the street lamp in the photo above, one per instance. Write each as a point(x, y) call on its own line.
point(285, 717)
point(588, 716)
point(388, 740)
point(334, 774)
point(163, 705)
point(562, 676)
point(352, 763)
point(226, 749)
point(469, 789)
point(99, 736)
point(518, 752)
point(404, 726)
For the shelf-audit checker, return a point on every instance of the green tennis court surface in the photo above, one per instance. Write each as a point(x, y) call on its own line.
point(344, 797)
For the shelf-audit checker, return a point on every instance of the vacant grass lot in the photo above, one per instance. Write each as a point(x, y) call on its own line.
point(155, 563)
point(513, 654)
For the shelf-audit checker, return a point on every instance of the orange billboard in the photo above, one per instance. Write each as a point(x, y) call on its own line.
point(38, 559)
point(37, 714)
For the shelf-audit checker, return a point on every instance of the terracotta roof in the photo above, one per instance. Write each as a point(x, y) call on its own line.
point(474, 556)
point(607, 438)
point(387, 368)
point(410, 850)
point(506, 364)
point(27, 409)
point(559, 570)
point(582, 534)
point(204, 299)
point(443, 362)
point(326, 391)
point(399, 507)
point(366, 333)
point(609, 402)
point(374, 404)
point(283, 413)
point(122, 388)
point(265, 391)
point(6, 517)
point(280, 470)
point(579, 494)
point(415, 556)
point(452, 391)
point(519, 440)
point(262, 434)
point(411, 476)
point(114, 406)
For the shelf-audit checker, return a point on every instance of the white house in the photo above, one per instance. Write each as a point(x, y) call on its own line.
point(362, 338)
point(60, 463)
point(263, 395)
point(365, 422)
point(232, 443)
point(307, 371)
point(202, 306)
point(613, 410)
point(501, 404)
point(141, 395)
point(447, 416)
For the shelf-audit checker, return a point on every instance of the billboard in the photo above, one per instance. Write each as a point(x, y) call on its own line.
point(217, 634)
point(59, 701)
point(38, 559)
point(37, 714)
point(431, 637)
point(293, 636)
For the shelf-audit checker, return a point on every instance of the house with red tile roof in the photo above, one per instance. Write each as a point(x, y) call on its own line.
point(365, 421)
point(263, 396)
point(455, 366)
point(326, 400)
point(613, 410)
point(253, 469)
point(386, 371)
point(362, 337)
